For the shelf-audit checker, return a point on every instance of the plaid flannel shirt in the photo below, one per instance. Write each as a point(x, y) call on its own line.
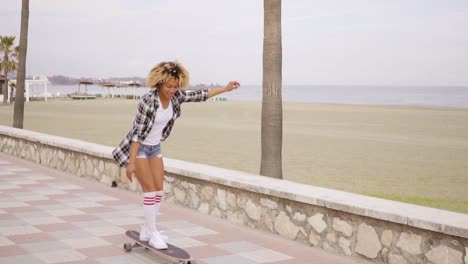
point(145, 116)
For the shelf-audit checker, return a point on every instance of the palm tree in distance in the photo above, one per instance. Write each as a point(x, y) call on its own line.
point(8, 62)
point(272, 109)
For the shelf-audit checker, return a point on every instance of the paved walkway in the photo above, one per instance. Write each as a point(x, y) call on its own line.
point(48, 216)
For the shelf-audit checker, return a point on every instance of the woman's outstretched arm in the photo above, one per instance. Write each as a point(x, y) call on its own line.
point(229, 87)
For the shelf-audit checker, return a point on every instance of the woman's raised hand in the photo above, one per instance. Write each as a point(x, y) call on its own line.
point(232, 85)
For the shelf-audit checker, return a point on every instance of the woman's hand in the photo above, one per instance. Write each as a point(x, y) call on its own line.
point(231, 86)
point(131, 168)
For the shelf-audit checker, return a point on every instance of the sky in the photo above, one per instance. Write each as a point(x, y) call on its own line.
point(328, 42)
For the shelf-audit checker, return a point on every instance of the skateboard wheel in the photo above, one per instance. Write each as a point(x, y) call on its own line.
point(128, 247)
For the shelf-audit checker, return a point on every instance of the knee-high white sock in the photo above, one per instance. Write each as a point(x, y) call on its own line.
point(148, 210)
point(157, 203)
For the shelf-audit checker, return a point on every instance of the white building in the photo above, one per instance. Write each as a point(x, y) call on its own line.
point(36, 80)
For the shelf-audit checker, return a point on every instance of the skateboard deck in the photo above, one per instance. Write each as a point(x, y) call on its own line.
point(172, 252)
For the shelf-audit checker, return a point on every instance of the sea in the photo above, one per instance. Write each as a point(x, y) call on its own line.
point(432, 96)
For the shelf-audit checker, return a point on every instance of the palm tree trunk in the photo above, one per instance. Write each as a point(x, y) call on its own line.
point(5, 89)
point(18, 113)
point(272, 110)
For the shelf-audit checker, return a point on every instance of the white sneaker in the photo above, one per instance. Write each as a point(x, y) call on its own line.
point(145, 234)
point(163, 236)
point(157, 242)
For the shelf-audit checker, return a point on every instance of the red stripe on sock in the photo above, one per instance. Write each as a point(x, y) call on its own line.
point(148, 203)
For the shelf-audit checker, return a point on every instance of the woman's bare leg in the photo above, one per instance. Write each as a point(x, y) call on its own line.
point(144, 174)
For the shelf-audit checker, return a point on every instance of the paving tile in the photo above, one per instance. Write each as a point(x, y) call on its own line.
point(205, 252)
point(5, 241)
point(45, 246)
point(16, 169)
point(93, 223)
point(11, 250)
point(111, 214)
point(124, 259)
point(136, 213)
point(265, 256)
point(60, 256)
point(78, 218)
point(23, 182)
point(84, 261)
point(18, 230)
point(185, 242)
point(94, 210)
point(31, 214)
point(120, 221)
point(229, 259)
point(195, 231)
point(14, 210)
point(65, 186)
point(44, 220)
point(5, 216)
point(105, 251)
point(30, 238)
point(22, 259)
point(31, 198)
point(110, 203)
point(239, 246)
point(168, 232)
point(97, 197)
point(42, 202)
point(84, 204)
point(54, 206)
point(48, 191)
point(65, 212)
point(85, 242)
point(12, 204)
point(132, 210)
point(69, 234)
point(38, 177)
point(127, 207)
point(176, 224)
point(56, 227)
point(117, 240)
point(104, 230)
point(11, 222)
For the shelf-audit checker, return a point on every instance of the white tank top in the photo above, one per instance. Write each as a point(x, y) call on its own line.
point(162, 118)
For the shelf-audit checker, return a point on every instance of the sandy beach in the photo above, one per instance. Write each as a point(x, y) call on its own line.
point(412, 154)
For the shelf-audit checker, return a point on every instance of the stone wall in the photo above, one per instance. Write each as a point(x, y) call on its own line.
point(377, 230)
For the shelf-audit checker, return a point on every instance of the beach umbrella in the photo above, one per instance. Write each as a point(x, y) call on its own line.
point(134, 85)
point(108, 85)
point(85, 84)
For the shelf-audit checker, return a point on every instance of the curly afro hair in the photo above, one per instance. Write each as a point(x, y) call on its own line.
point(167, 70)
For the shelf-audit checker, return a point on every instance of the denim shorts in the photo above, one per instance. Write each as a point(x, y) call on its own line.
point(146, 151)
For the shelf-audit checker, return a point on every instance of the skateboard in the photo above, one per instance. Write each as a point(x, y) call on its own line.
point(172, 252)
